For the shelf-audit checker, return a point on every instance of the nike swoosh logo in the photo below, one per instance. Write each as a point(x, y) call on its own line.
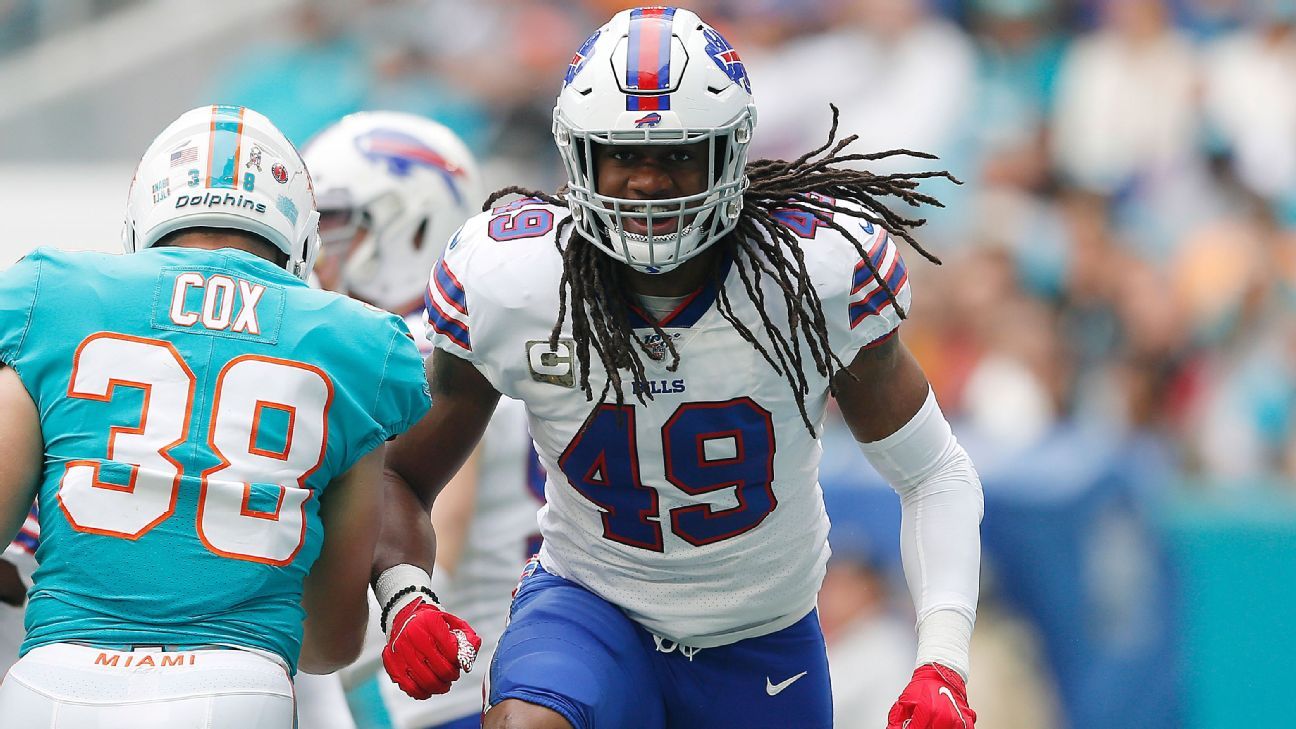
point(946, 693)
point(774, 689)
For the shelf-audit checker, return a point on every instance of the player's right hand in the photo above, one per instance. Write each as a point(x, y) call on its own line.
point(936, 698)
point(427, 648)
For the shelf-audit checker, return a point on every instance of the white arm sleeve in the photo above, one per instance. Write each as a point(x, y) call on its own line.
point(940, 541)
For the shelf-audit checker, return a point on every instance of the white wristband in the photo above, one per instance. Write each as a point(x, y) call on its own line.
point(395, 579)
point(943, 638)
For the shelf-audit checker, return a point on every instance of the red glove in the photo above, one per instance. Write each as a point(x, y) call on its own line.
point(935, 698)
point(427, 647)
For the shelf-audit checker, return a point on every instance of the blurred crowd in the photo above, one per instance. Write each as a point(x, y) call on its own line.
point(1122, 250)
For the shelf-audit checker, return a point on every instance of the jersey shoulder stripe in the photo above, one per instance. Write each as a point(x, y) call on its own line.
point(853, 287)
point(883, 265)
point(447, 305)
point(499, 269)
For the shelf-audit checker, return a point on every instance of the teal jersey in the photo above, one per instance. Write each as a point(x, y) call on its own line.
point(195, 406)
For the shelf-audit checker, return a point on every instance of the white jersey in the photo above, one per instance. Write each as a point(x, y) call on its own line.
point(699, 513)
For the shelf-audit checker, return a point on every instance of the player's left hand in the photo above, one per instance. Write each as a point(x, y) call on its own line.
point(936, 698)
point(426, 649)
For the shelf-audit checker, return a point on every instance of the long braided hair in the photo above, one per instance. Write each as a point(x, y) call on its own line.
point(759, 245)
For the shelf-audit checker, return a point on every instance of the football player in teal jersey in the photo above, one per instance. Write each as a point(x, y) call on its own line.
point(393, 188)
point(203, 433)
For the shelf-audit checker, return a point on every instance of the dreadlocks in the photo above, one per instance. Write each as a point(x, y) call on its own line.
point(759, 246)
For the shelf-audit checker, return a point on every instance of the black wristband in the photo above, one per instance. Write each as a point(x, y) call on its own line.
point(402, 593)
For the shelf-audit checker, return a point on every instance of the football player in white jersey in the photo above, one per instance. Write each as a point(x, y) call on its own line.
point(392, 189)
point(707, 308)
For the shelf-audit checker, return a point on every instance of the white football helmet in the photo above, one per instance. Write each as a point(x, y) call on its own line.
point(224, 167)
point(394, 176)
point(655, 76)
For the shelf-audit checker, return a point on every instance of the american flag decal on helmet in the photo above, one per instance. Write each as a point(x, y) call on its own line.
point(648, 64)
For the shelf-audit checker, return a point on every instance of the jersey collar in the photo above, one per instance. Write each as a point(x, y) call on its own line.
point(690, 310)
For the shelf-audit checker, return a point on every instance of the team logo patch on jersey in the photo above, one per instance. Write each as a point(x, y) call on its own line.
point(552, 365)
point(579, 60)
point(656, 345)
point(726, 58)
point(650, 119)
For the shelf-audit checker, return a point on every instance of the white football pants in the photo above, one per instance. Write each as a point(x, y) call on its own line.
point(67, 686)
point(321, 702)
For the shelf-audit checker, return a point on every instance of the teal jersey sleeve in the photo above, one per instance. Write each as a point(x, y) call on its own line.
point(18, 285)
point(403, 397)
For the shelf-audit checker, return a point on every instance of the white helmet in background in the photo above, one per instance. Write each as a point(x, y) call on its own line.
point(405, 183)
point(655, 76)
point(224, 167)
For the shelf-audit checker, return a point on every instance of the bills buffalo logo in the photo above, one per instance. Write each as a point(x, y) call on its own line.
point(579, 60)
point(726, 58)
point(648, 120)
point(402, 152)
point(279, 172)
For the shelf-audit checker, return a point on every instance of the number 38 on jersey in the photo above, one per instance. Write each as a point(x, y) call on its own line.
point(249, 392)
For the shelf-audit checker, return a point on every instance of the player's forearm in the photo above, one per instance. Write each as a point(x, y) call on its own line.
point(334, 642)
point(452, 514)
point(941, 507)
point(941, 549)
point(22, 453)
point(406, 535)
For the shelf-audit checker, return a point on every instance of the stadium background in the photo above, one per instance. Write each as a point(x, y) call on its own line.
point(1112, 331)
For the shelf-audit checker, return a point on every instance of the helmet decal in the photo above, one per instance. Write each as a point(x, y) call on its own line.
point(648, 67)
point(582, 55)
point(402, 152)
point(225, 140)
point(726, 58)
point(287, 207)
point(189, 154)
point(651, 119)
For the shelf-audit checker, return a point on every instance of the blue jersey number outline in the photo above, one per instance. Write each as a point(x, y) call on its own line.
point(602, 464)
point(514, 221)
